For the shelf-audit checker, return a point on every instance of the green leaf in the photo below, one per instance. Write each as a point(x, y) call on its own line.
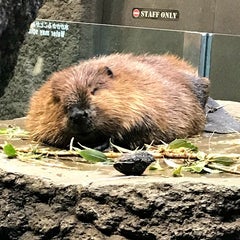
point(182, 143)
point(9, 150)
point(177, 172)
point(155, 166)
point(14, 132)
point(92, 155)
point(226, 161)
point(196, 167)
point(3, 131)
point(201, 155)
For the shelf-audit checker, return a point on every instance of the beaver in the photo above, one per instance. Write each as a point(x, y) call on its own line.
point(130, 99)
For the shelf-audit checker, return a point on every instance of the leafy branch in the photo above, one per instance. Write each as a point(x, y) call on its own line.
point(180, 155)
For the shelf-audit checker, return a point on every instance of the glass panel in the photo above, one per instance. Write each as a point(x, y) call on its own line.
point(224, 67)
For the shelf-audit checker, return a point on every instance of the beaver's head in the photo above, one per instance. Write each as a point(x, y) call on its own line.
point(75, 91)
point(99, 102)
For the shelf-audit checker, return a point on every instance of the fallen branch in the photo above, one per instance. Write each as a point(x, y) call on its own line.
point(223, 169)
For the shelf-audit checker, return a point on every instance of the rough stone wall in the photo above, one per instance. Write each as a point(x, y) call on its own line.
point(39, 56)
point(49, 53)
point(33, 209)
point(15, 18)
point(69, 10)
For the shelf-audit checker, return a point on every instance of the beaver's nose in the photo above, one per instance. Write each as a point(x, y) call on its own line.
point(77, 115)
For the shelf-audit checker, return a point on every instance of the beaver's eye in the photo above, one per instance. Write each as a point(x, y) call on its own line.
point(66, 108)
point(94, 90)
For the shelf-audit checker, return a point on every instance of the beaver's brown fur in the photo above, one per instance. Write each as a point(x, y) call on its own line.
point(129, 99)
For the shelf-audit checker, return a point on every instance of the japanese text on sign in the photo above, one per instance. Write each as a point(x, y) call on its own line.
point(48, 28)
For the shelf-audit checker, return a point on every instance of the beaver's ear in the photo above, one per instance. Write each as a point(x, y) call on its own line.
point(109, 72)
point(106, 70)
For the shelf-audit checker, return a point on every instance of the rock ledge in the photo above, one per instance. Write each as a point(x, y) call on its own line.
point(157, 209)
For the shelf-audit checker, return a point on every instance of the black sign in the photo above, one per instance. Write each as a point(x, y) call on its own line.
point(49, 28)
point(160, 14)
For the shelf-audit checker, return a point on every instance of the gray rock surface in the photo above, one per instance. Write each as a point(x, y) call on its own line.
point(36, 209)
point(15, 18)
point(68, 10)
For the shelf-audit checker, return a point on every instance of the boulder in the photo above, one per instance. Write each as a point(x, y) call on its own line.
point(15, 18)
